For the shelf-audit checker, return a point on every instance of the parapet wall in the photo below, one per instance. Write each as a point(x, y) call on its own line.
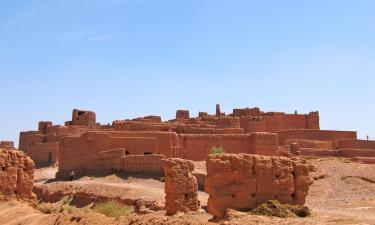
point(244, 181)
point(321, 135)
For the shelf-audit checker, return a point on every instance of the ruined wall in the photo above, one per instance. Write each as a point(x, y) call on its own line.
point(182, 115)
point(181, 187)
point(147, 164)
point(322, 135)
point(7, 145)
point(16, 175)
point(197, 147)
point(244, 181)
point(313, 120)
point(310, 143)
point(253, 112)
point(356, 144)
point(93, 150)
point(43, 145)
point(83, 118)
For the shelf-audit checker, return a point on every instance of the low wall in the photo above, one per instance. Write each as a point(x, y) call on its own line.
point(148, 164)
point(356, 144)
point(244, 181)
point(197, 147)
point(320, 135)
point(310, 143)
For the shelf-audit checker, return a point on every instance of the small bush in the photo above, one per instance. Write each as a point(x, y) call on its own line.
point(217, 150)
point(112, 209)
point(274, 208)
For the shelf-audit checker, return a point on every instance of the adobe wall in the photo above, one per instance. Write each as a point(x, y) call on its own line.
point(321, 135)
point(7, 145)
point(44, 152)
point(16, 175)
point(263, 143)
point(356, 144)
point(83, 118)
point(146, 164)
point(102, 149)
point(245, 181)
point(181, 187)
point(197, 147)
point(302, 143)
point(182, 115)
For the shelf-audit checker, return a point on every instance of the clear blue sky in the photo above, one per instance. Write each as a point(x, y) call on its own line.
point(129, 58)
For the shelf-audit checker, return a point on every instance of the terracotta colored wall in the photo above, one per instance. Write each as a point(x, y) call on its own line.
point(182, 115)
point(294, 121)
point(263, 143)
point(273, 123)
point(197, 147)
point(322, 135)
point(41, 152)
point(244, 181)
point(83, 118)
point(181, 187)
point(149, 164)
point(313, 121)
point(7, 144)
point(16, 175)
point(92, 150)
point(310, 143)
point(252, 124)
point(357, 144)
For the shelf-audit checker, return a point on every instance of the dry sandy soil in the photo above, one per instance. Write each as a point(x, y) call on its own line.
point(343, 193)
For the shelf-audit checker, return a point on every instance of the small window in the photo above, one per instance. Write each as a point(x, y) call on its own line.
point(126, 152)
point(147, 153)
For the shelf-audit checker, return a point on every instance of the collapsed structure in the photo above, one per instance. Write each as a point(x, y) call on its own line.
point(16, 175)
point(84, 145)
point(243, 181)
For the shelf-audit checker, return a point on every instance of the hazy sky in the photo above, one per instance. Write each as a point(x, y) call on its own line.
point(129, 58)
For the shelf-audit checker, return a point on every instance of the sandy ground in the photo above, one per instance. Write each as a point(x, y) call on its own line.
point(344, 193)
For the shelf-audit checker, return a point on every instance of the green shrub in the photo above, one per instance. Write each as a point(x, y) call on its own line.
point(112, 209)
point(217, 150)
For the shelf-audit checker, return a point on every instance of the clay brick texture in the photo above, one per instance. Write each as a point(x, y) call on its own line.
point(243, 181)
point(16, 175)
point(181, 187)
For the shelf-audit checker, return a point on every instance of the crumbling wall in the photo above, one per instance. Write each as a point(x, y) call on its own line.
point(83, 118)
point(7, 145)
point(92, 151)
point(16, 175)
point(147, 164)
point(244, 181)
point(181, 187)
point(197, 146)
point(321, 135)
point(182, 115)
point(310, 143)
